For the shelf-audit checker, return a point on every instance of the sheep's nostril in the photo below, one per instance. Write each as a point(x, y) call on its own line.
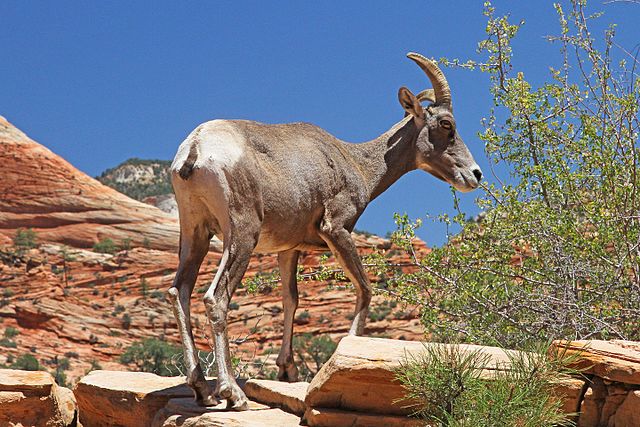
point(478, 174)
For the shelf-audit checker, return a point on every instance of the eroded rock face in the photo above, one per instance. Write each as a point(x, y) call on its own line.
point(612, 398)
point(33, 398)
point(165, 202)
point(628, 413)
point(569, 392)
point(42, 191)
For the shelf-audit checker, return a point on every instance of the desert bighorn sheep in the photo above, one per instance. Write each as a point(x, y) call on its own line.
point(291, 187)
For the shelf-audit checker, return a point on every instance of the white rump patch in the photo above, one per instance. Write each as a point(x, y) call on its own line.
point(219, 144)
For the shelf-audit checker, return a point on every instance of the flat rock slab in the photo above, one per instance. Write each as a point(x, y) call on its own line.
point(187, 406)
point(108, 398)
point(183, 412)
point(615, 360)
point(32, 398)
point(36, 383)
point(288, 396)
point(360, 374)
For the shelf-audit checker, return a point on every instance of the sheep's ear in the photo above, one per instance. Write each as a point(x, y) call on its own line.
point(410, 103)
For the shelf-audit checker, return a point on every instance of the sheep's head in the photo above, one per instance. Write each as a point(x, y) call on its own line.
point(439, 148)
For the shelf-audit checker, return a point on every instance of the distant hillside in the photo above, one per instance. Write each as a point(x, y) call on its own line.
point(139, 178)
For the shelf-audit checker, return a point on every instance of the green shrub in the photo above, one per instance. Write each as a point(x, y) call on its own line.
point(105, 246)
point(151, 355)
point(144, 287)
point(445, 384)
point(27, 362)
point(11, 332)
point(303, 317)
point(312, 352)
point(119, 308)
point(60, 377)
point(61, 364)
point(125, 245)
point(157, 294)
point(95, 365)
point(126, 321)
point(261, 282)
point(382, 310)
point(25, 238)
point(6, 342)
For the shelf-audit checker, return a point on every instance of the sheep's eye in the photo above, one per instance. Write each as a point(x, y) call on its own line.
point(446, 124)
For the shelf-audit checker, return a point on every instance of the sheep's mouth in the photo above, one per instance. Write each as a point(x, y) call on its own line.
point(469, 184)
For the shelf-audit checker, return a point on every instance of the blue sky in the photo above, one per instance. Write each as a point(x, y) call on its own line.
point(100, 82)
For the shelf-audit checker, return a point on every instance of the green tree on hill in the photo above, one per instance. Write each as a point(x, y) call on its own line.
point(160, 183)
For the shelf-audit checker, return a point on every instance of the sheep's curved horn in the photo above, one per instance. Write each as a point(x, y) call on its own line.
point(426, 95)
point(438, 81)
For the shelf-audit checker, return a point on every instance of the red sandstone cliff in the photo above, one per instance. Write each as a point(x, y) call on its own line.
point(41, 190)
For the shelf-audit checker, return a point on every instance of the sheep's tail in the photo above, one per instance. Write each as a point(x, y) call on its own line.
point(187, 167)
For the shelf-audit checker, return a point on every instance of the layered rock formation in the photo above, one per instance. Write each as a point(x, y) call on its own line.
point(41, 190)
point(91, 307)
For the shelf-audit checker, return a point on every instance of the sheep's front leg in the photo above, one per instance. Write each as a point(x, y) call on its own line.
point(342, 246)
point(288, 261)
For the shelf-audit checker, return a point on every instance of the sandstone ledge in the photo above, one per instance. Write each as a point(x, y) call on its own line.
point(33, 398)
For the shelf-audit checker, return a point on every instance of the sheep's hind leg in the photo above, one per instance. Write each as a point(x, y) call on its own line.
point(238, 246)
point(194, 244)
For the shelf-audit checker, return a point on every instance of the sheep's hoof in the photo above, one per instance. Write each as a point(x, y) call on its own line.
point(207, 401)
point(288, 373)
point(241, 404)
point(235, 397)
